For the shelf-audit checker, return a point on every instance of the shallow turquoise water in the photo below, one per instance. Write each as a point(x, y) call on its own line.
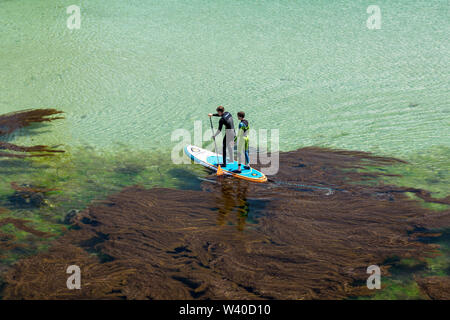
point(136, 71)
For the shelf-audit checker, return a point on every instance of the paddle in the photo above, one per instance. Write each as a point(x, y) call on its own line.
point(219, 169)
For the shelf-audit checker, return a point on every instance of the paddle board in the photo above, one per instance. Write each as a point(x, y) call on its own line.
point(209, 159)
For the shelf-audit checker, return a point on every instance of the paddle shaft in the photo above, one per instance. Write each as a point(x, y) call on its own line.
point(214, 138)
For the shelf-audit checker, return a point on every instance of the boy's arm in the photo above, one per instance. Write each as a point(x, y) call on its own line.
point(220, 128)
point(241, 128)
point(220, 125)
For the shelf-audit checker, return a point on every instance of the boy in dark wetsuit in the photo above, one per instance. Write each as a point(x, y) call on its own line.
point(243, 142)
point(228, 140)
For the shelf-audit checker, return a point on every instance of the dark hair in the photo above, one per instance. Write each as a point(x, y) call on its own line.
point(220, 109)
point(241, 114)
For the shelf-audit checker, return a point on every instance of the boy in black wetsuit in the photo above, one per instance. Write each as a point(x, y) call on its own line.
point(228, 140)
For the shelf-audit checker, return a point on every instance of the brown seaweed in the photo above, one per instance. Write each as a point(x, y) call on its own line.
point(21, 225)
point(435, 287)
point(30, 188)
point(13, 121)
point(287, 239)
point(8, 241)
point(26, 195)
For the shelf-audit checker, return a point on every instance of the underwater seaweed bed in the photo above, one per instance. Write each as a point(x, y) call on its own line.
point(307, 243)
point(308, 234)
point(43, 192)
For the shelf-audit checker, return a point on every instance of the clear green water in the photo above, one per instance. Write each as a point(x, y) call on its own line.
point(136, 71)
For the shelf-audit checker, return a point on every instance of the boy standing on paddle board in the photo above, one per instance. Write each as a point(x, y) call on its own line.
point(243, 142)
point(228, 140)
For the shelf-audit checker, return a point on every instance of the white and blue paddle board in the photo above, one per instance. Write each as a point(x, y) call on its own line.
point(209, 159)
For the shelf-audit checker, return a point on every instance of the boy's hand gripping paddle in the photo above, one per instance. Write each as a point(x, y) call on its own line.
point(219, 169)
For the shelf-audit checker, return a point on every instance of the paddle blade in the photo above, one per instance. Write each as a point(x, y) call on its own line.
point(219, 171)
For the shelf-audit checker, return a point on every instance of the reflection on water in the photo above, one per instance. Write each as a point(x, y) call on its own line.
point(232, 200)
point(234, 205)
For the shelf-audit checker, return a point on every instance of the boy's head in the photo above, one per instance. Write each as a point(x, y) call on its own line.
point(220, 110)
point(241, 115)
